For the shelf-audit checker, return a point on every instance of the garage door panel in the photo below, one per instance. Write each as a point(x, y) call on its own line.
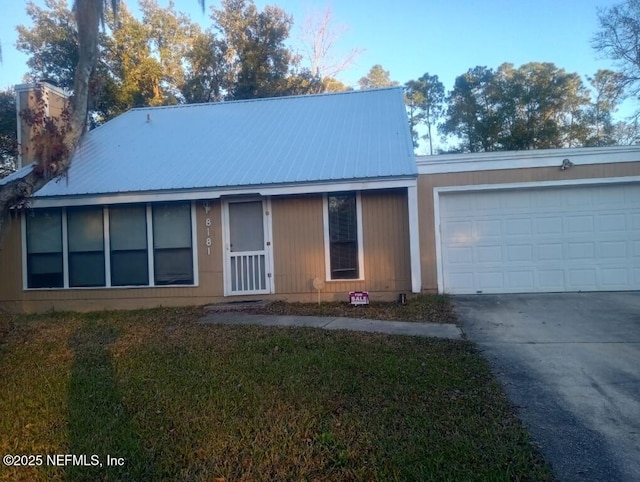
point(549, 252)
point(460, 255)
point(613, 250)
point(521, 280)
point(488, 228)
point(580, 224)
point(520, 253)
point(489, 254)
point(491, 281)
point(536, 240)
point(614, 278)
point(518, 226)
point(546, 225)
point(612, 222)
point(581, 251)
point(550, 280)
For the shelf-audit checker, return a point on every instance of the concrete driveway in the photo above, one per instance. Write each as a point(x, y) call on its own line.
point(570, 364)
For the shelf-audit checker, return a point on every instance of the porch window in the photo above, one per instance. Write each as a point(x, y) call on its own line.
point(343, 236)
point(128, 239)
point(172, 251)
point(86, 247)
point(44, 249)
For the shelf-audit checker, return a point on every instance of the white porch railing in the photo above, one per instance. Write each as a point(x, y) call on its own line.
point(248, 272)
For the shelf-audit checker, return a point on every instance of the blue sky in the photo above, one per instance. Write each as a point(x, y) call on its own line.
point(411, 37)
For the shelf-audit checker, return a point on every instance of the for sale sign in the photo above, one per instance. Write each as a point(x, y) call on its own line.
point(359, 297)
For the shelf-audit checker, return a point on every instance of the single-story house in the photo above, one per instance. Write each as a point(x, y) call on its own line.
point(194, 204)
point(306, 196)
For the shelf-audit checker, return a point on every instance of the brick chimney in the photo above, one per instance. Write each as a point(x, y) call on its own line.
point(55, 99)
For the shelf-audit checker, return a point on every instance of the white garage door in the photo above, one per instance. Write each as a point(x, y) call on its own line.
point(583, 238)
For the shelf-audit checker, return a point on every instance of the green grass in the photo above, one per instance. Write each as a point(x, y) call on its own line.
point(184, 401)
point(423, 308)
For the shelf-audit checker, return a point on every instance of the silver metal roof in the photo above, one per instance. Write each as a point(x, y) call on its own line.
point(313, 138)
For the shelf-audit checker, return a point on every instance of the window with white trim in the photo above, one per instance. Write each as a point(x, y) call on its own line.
point(128, 244)
point(85, 240)
point(172, 254)
point(110, 246)
point(44, 249)
point(344, 241)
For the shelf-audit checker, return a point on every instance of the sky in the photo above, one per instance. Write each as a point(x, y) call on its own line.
point(412, 37)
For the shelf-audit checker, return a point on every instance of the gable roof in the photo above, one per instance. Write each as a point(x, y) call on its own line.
point(357, 135)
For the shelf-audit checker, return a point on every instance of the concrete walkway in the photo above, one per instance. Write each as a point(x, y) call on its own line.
point(435, 330)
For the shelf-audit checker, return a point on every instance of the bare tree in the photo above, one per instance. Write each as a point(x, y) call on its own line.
point(319, 37)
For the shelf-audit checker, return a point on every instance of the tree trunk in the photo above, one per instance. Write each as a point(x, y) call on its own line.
point(15, 192)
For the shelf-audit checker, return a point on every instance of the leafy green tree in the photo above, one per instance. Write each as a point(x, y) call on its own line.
point(377, 78)
point(206, 69)
point(425, 98)
point(141, 62)
point(534, 106)
point(52, 43)
point(607, 89)
point(539, 106)
point(8, 132)
point(471, 113)
point(258, 60)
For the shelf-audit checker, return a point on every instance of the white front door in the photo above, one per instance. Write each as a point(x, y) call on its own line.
point(248, 260)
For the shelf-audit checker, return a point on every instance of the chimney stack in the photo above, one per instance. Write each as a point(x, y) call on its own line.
point(55, 99)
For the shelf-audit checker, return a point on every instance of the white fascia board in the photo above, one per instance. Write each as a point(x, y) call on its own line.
point(490, 161)
point(215, 193)
point(538, 184)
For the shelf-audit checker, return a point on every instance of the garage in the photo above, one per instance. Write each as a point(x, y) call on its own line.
point(580, 235)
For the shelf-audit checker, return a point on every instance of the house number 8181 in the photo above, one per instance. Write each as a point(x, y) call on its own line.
point(207, 223)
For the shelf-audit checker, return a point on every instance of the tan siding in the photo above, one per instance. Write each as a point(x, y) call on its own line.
point(386, 241)
point(298, 243)
point(11, 266)
point(299, 253)
point(427, 182)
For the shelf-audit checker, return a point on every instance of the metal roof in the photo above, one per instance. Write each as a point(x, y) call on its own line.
point(313, 138)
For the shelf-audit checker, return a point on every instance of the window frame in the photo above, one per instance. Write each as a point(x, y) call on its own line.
point(26, 255)
point(107, 251)
point(327, 240)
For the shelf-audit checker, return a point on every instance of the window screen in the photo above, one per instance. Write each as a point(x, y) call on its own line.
point(172, 250)
point(44, 249)
point(85, 235)
point(128, 240)
point(343, 236)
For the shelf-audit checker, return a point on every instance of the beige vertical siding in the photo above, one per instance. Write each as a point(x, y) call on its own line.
point(385, 217)
point(299, 252)
point(298, 243)
point(427, 182)
point(11, 266)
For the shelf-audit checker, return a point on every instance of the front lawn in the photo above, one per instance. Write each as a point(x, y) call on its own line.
point(178, 400)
